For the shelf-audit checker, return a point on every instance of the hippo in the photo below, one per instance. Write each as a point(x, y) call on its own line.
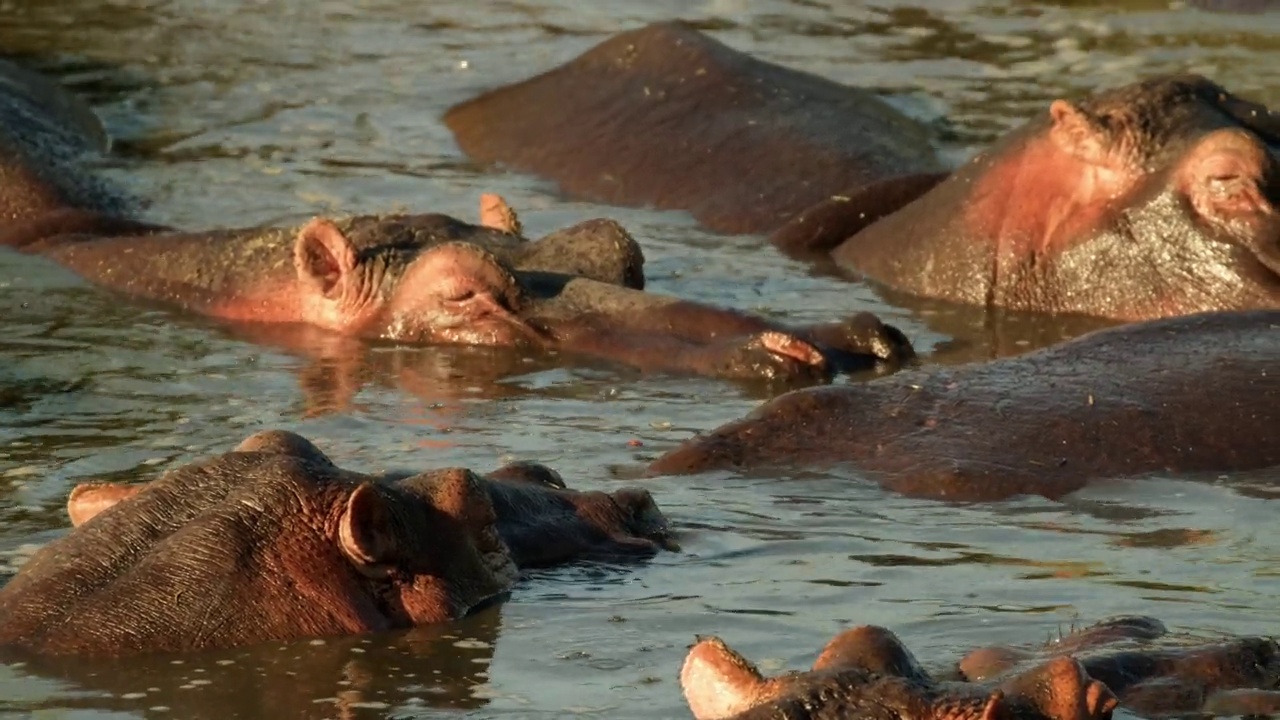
point(668, 117)
point(1190, 394)
point(434, 279)
point(47, 138)
point(867, 672)
point(273, 541)
point(1150, 200)
point(1153, 674)
point(541, 520)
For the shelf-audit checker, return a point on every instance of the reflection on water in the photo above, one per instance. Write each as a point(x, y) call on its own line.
point(271, 111)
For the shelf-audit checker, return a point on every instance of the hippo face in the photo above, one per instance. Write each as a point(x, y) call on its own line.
point(447, 292)
point(866, 672)
point(263, 543)
point(1150, 200)
point(1171, 185)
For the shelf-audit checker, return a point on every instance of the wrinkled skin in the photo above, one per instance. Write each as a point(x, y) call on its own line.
point(45, 135)
point(665, 116)
point(540, 520)
point(1183, 395)
point(1153, 674)
point(1150, 200)
point(432, 279)
point(867, 673)
point(269, 542)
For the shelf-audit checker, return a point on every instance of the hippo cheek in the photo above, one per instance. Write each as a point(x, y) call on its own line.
point(478, 319)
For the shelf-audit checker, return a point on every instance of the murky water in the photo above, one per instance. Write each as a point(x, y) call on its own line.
point(239, 112)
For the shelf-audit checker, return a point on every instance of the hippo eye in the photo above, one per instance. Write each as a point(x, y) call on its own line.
point(463, 296)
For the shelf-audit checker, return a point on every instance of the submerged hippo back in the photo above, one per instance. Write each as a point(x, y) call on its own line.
point(45, 135)
point(1192, 394)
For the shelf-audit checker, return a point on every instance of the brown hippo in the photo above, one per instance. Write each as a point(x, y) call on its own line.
point(272, 541)
point(1154, 675)
point(1149, 200)
point(542, 521)
point(669, 117)
point(867, 673)
point(435, 279)
point(1184, 395)
point(46, 134)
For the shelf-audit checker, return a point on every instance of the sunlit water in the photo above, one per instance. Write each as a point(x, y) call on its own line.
point(236, 113)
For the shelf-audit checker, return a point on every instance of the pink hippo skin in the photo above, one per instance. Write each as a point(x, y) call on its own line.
point(272, 541)
point(1154, 674)
point(666, 116)
point(431, 279)
point(1183, 395)
point(867, 673)
point(1150, 200)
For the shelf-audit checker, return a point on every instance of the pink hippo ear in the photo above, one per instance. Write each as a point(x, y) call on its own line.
point(1225, 174)
point(1077, 132)
point(323, 256)
point(87, 500)
point(719, 683)
point(366, 533)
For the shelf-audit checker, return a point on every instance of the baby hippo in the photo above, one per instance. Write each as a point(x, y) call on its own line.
point(273, 541)
point(867, 673)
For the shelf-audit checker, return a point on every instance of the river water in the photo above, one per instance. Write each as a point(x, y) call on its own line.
point(241, 112)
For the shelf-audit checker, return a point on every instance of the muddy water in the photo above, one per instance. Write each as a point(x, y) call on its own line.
point(240, 112)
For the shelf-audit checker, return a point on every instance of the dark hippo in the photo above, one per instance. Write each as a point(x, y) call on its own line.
point(1153, 674)
point(541, 521)
point(867, 673)
point(1149, 200)
point(272, 541)
point(1184, 395)
point(46, 139)
point(666, 116)
point(433, 279)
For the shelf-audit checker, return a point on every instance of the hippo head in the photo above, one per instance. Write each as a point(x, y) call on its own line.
point(269, 542)
point(432, 279)
point(867, 672)
point(1153, 199)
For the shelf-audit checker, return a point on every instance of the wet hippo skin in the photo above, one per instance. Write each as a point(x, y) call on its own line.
point(666, 116)
point(432, 279)
point(257, 545)
point(1149, 200)
point(272, 541)
point(867, 673)
point(541, 520)
point(1154, 673)
point(47, 135)
point(1192, 394)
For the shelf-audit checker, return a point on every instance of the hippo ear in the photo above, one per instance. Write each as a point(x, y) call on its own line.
point(87, 500)
point(1077, 132)
point(1224, 174)
point(323, 256)
point(495, 213)
point(719, 683)
point(366, 533)
point(1061, 688)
